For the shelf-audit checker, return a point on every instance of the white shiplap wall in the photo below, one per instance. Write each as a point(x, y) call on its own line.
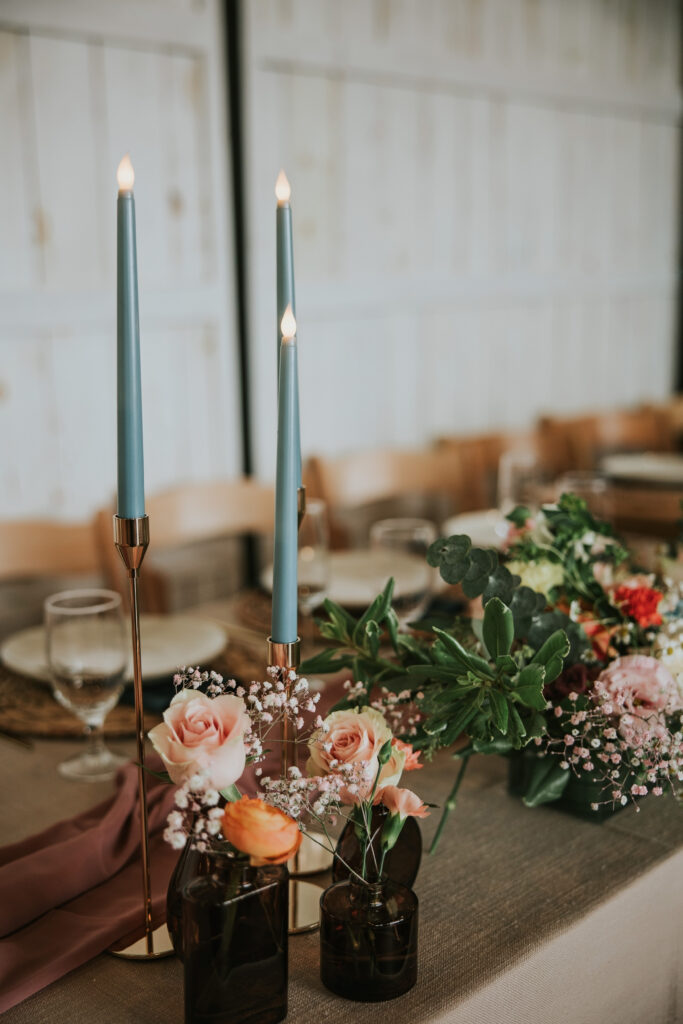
point(485, 201)
point(81, 83)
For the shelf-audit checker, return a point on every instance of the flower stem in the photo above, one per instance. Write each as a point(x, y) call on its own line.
point(450, 803)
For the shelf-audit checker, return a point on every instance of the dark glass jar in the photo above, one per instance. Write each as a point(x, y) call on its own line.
point(402, 862)
point(368, 940)
point(579, 794)
point(191, 864)
point(234, 938)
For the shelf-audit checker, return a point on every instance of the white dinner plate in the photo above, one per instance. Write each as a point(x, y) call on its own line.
point(168, 641)
point(357, 577)
point(486, 529)
point(645, 467)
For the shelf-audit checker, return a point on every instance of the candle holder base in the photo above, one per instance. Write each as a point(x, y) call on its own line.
point(161, 947)
point(310, 859)
point(304, 907)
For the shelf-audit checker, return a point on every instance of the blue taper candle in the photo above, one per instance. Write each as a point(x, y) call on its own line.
point(131, 475)
point(284, 249)
point(284, 623)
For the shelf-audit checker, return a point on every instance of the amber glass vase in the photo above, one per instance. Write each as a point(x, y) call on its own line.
point(368, 939)
point(234, 940)
point(402, 862)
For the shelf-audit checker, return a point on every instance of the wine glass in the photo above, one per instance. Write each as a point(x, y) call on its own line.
point(314, 557)
point(87, 653)
point(407, 540)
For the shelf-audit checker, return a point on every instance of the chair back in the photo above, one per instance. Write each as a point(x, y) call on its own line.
point(353, 485)
point(183, 516)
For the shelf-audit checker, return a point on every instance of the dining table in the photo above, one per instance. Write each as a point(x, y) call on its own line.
point(516, 905)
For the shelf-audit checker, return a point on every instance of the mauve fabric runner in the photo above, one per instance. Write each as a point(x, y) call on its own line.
point(71, 891)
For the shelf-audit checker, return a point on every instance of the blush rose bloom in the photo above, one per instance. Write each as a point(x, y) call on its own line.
point(649, 690)
point(355, 736)
point(403, 802)
point(203, 734)
point(266, 834)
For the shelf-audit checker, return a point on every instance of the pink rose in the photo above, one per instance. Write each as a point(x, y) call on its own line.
point(644, 689)
point(403, 802)
point(203, 734)
point(348, 737)
point(355, 737)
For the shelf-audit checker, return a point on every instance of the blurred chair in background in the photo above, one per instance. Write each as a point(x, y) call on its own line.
point(198, 551)
point(671, 416)
point(580, 442)
point(495, 466)
point(39, 558)
point(362, 488)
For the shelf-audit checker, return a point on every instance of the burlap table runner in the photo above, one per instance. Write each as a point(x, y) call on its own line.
point(506, 884)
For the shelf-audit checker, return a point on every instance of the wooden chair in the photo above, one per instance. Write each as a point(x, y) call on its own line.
point(480, 458)
point(670, 415)
point(578, 443)
point(37, 558)
point(39, 547)
point(183, 516)
point(381, 477)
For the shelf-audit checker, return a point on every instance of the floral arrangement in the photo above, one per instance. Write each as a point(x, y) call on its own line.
point(547, 672)
point(214, 728)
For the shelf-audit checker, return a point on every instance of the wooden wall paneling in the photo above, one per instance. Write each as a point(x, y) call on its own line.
point(70, 213)
point(79, 88)
point(28, 424)
point(508, 180)
point(18, 265)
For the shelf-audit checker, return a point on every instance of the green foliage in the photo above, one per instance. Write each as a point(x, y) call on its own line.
point(484, 678)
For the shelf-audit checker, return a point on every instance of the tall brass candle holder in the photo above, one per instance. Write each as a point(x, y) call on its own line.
point(131, 538)
point(304, 897)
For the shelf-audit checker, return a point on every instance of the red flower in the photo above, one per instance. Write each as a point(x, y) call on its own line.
point(639, 603)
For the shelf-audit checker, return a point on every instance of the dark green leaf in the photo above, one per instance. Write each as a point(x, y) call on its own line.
point(498, 629)
point(547, 782)
point(451, 556)
point(499, 708)
point(529, 687)
point(552, 655)
point(464, 658)
point(323, 663)
point(497, 746)
point(373, 635)
point(501, 583)
point(483, 564)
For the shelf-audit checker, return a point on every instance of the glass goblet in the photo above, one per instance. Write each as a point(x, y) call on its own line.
point(314, 557)
point(87, 654)
point(408, 540)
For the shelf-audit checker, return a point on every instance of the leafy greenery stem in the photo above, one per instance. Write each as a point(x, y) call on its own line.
point(451, 801)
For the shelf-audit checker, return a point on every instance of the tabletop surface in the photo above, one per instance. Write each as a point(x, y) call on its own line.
point(505, 880)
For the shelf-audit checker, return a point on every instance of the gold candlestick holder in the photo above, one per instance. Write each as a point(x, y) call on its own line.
point(304, 897)
point(131, 538)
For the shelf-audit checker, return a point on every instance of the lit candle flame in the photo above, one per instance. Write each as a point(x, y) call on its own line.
point(288, 325)
point(282, 188)
point(125, 175)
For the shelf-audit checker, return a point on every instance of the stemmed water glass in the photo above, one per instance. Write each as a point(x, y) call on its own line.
point(314, 557)
point(87, 653)
point(408, 541)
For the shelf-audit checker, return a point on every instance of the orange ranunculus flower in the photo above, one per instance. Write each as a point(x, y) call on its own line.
point(267, 835)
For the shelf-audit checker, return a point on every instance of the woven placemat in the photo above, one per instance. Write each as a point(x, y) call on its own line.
point(27, 707)
point(254, 608)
